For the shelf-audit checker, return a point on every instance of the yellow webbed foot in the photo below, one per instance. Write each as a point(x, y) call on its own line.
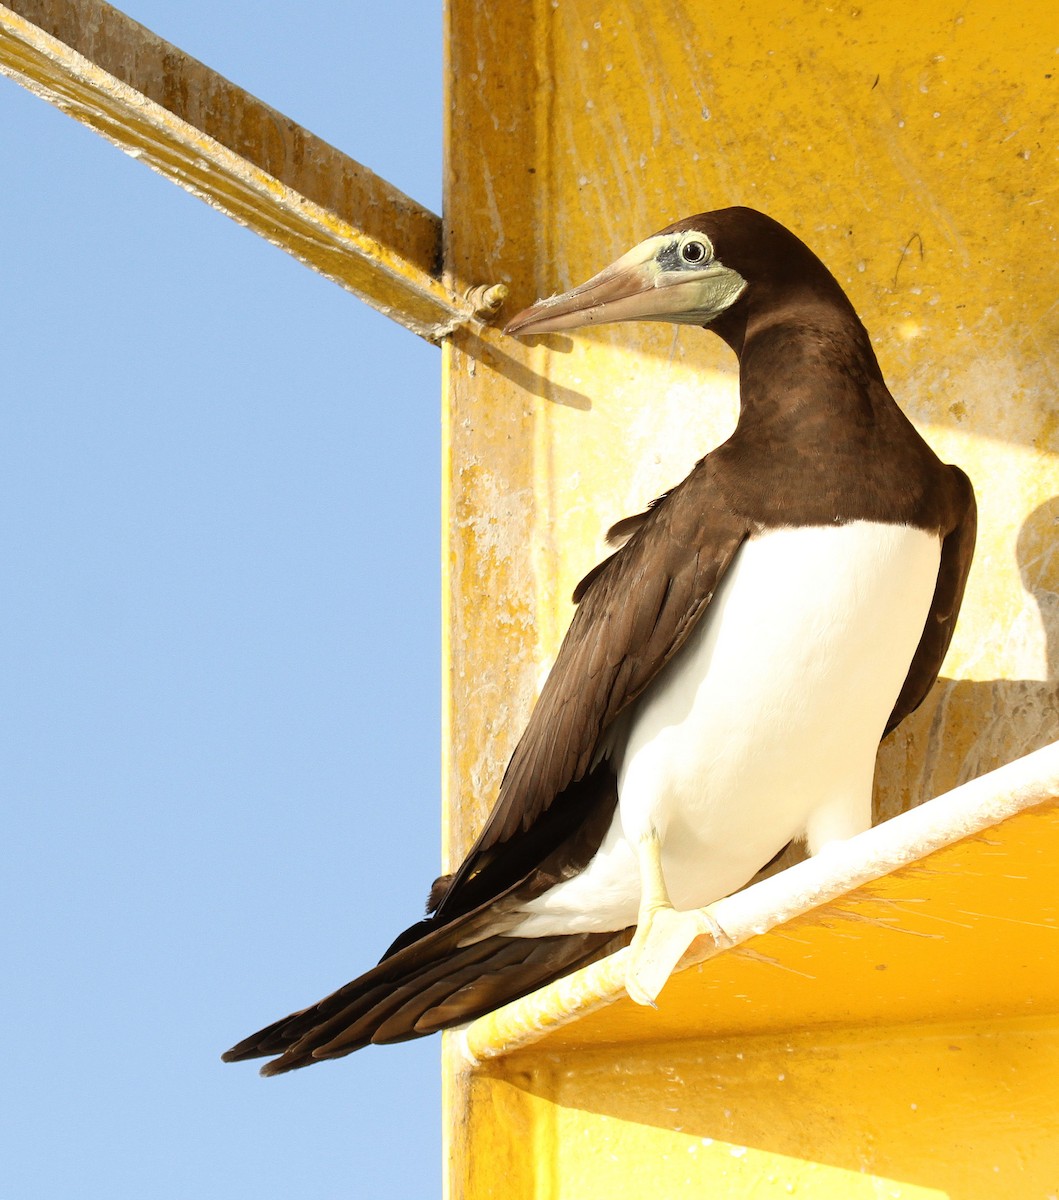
point(661, 940)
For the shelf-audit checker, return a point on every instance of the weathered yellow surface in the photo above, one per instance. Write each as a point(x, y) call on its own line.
point(902, 1041)
point(914, 147)
point(236, 153)
point(935, 1112)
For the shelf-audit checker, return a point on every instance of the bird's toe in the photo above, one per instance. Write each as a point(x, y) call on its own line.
point(660, 943)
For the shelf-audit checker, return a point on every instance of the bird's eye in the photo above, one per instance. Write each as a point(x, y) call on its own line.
point(693, 252)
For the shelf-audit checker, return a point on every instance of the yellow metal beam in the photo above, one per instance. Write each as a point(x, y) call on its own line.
point(958, 1110)
point(236, 153)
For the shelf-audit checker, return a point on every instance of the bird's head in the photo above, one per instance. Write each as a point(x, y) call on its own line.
point(710, 269)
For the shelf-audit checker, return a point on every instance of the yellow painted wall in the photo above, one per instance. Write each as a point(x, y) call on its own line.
point(913, 145)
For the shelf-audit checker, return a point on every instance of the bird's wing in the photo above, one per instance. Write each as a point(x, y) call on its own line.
point(957, 549)
point(635, 611)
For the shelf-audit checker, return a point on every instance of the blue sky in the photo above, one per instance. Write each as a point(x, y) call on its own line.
point(219, 523)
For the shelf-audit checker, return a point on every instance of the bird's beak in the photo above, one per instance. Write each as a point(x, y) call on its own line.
point(636, 288)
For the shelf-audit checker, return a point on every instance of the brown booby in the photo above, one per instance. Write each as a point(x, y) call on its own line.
point(728, 673)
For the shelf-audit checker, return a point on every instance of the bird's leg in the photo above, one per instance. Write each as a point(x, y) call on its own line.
point(662, 934)
point(833, 823)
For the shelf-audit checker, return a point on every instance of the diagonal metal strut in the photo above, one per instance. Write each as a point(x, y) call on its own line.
point(236, 153)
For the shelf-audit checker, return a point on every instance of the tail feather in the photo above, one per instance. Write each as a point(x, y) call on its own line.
point(430, 985)
point(531, 964)
point(418, 1005)
point(457, 962)
point(514, 967)
point(356, 1024)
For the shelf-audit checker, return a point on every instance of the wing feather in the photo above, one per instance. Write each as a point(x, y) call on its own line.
point(957, 549)
point(636, 610)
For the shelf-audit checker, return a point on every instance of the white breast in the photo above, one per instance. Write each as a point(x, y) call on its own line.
point(764, 727)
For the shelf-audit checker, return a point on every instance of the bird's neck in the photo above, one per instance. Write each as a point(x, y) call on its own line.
point(821, 362)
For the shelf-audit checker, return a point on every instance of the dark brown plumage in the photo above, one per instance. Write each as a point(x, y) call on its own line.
point(819, 442)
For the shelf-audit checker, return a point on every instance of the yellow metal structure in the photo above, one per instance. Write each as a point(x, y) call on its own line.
point(907, 1046)
point(891, 1032)
point(895, 1029)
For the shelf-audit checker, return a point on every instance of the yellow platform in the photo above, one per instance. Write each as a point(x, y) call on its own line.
point(885, 1023)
